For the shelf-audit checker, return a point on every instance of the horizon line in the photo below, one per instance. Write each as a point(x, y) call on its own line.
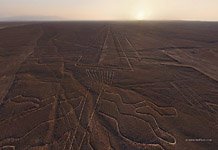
point(107, 20)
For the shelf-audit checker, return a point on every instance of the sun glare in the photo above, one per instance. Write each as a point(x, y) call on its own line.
point(140, 15)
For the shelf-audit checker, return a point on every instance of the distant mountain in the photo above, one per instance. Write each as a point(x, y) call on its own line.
point(31, 18)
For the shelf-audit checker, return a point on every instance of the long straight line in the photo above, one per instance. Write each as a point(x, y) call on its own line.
point(91, 117)
point(77, 125)
point(102, 48)
point(137, 54)
point(127, 59)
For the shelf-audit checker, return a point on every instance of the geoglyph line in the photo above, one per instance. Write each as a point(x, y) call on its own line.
point(91, 117)
point(127, 59)
point(77, 125)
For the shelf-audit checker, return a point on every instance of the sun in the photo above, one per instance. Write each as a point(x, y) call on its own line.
point(140, 15)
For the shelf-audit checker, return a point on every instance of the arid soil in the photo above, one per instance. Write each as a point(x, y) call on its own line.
point(109, 86)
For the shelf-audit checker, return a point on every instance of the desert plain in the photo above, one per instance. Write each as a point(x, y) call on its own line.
point(109, 85)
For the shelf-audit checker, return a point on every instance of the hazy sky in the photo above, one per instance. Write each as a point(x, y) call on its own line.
point(112, 9)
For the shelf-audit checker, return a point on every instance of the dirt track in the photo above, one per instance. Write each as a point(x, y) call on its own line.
point(109, 85)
